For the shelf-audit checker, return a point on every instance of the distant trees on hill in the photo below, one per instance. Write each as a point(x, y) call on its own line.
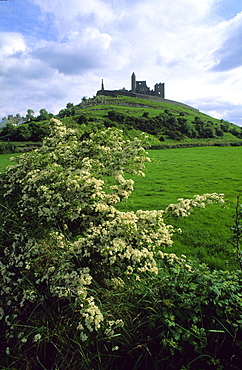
point(29, 128)
point(173, 126)
point(166, 125)
point(31, 131)
point(69, 111)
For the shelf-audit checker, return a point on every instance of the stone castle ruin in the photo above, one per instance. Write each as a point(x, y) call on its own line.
point(139, 89)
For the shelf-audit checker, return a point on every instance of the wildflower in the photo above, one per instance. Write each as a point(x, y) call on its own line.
point(115, 348)
point(37, 337)
point(83, 337)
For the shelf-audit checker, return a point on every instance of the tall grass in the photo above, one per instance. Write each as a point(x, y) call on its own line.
point(182, 173)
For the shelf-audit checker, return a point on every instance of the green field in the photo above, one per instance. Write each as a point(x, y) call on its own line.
point(177, 173)
point(5, 160)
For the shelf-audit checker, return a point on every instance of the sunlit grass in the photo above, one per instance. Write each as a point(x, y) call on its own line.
point(182, 173)
point(5, 160)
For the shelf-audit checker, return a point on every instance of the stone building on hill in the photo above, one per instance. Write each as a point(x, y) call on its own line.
point(140, 87)
point(137, 87)
point(140, 90)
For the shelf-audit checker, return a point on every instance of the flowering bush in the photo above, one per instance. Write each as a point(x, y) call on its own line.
point(184, 206)
point(61, 236)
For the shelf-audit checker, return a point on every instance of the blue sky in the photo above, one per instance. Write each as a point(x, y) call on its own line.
point(55, 51)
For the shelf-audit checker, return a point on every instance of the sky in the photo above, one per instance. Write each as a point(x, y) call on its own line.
point(56, 51)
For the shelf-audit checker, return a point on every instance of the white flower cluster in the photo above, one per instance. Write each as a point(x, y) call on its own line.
point(126, 240)
point(68, 179)
point(174, 261)
point(92, 315)
point(111, 326)
point(184, 206)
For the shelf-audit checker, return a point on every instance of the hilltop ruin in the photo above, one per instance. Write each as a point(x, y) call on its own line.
point(139, 89)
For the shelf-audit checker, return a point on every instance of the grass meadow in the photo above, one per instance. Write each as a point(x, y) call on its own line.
point(182, 173)
point(5, 160)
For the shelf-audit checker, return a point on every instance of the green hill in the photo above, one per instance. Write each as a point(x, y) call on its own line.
point(159, 124)
point(165, 124)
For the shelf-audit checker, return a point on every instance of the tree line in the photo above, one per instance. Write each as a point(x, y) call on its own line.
point(164, 125)
point(172, 126)
point(29, 128)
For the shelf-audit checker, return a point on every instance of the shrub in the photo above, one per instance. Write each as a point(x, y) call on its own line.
point(84, 285)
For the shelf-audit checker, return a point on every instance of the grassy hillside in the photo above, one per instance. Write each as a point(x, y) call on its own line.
point(159, 125)
point(165, 124)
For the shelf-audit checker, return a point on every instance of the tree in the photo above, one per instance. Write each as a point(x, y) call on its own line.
point(38, 130)
point(204, 129)
point(43, 115)
point(30, 114)
point(69, 105)
point(22, 133)
point(8, 131)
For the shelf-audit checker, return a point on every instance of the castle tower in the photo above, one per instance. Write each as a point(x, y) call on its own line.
point(102, 87)
point(133, 82)
point(160, 89)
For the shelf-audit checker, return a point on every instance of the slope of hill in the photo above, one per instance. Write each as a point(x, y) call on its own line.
point(165, 124)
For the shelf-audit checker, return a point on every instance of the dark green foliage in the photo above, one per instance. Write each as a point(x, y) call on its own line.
point(187, 128)
point(181, 319)
point(171, 122)
point(30, 115)
point(7, 148)
point(188, 319)
point(236, 131)
point(82, 119)
point(171, 125)
point(225, 125)
point(68, 112)
point(204, 129)
point(237, 231)
point(38, 130)
point(117, 117)
point(174, 135)
point(219, 132)
point(31, 131)
point(43, 115)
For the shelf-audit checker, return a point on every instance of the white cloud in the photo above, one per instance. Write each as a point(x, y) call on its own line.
point(89, 49)
point(228, 55)
point(73, 15)
point(183, 43)
point(11, 43)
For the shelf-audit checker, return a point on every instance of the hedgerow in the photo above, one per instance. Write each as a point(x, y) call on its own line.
point(85, 286)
